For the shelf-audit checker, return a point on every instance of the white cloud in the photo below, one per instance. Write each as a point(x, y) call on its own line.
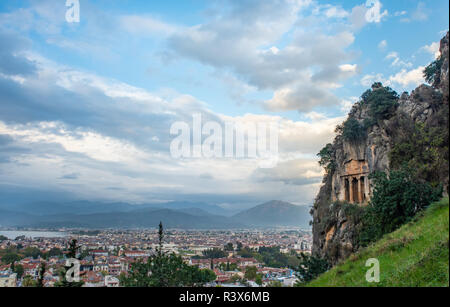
point(400, 13)
point(396, 61)
point(347, 104)
point(407, 78)
point(331, 11)
point(421, 13)
point(128, 147)
point(89, 143)
point(433, 49)
point(368, 80)
point(318, 59)
point(147, 25)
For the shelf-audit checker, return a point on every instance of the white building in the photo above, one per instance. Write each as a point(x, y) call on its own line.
point(8, 280)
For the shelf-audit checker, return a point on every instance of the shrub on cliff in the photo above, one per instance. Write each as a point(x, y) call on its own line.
point(424, 148)
point(326, 156)
point(382, 101)
point(397, 198)
point(432, 72)
point(352, 130)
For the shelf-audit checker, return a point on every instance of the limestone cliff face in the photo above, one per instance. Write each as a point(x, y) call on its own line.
point(334, 231)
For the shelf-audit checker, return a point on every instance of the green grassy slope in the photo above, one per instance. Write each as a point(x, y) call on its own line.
point(415, 255)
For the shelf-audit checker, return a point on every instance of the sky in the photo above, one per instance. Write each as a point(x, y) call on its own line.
point(86, 107)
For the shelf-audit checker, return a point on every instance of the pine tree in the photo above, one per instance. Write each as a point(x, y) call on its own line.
point(72, 254)
point(42, 269)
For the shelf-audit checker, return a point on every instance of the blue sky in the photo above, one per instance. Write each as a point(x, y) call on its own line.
point(86, 107)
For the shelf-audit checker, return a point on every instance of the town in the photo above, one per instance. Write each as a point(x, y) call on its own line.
point(242, 258)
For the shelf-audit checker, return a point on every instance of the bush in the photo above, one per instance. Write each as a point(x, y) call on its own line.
point(431, 72)
point(326, 158)
point(352, 130)
point(425, 150)
point(310, 268)
point(396, 200)
point(382, 101)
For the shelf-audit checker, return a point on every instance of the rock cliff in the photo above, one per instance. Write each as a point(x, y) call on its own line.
point(354, 159)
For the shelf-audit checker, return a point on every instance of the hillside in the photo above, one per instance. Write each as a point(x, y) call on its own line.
point(275, 213)
point(417, 254)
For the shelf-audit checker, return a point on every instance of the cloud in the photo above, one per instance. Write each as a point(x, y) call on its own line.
point(331, 11)
point(407, 78)
point(382, 45)
point(298, 172)
point(396, 61)
point(421, 13)
point(247, 41)
point(433, 49)
point(146, 25)
point(71, 176)
point(358, 16)
point(301, 96)
point(347, 104)
point(12, 62)
point(400, 13)
point(369, 79)
point(67, 130)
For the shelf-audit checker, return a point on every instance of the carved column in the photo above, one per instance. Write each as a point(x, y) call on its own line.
point(358, 200)
point(350, 181)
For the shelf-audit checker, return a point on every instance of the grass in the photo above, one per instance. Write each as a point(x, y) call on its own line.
point(416, 255)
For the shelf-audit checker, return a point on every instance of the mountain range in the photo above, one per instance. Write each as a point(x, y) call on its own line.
point(184, 215)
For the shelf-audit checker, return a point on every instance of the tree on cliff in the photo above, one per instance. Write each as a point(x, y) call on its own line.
point(397, 198)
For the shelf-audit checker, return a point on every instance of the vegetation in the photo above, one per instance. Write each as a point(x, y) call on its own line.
point(162, 270)
point(18, 269)
point(40, 280)
point(309, 268)
point(72, 254)
point(382, 101)
point(10, 255)
point(251, 273)
point(352, 130)
point(396, 200)
point(431, 72)
point(326, 158)
point(271, 256)
point(28, 281)
point(275, 284)
point(228, 247)
point(424, 148)
point(214, 253)
point(415, 255)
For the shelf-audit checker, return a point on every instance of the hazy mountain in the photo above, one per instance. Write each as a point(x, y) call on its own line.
point(8, 218)
point(275, 213)
point(143, 218)
point(174, 215)
point(43, 208)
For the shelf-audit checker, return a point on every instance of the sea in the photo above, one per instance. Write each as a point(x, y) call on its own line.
point(12, 234)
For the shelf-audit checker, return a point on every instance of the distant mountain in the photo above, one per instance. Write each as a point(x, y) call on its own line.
point(275, 213)
point(8, 218)
point(141, 218)
point(185, 215)
point(43, 208)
